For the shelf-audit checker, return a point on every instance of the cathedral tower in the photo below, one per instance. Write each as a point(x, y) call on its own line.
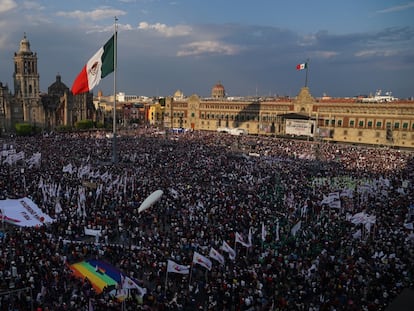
point(26, 85)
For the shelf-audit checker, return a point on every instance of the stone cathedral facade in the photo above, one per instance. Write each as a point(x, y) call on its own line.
point(57, 107)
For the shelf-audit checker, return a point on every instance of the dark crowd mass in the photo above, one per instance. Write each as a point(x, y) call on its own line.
point(329, 225)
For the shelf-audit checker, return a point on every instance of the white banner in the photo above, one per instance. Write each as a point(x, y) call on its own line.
point(299, 127)
point(23, 212)
point(92, 232)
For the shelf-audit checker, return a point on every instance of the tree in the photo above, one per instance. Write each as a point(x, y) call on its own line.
point(23, 129)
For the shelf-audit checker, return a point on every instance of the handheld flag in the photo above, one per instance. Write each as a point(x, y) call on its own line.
point(239, 239)
point(264, 233)
point(128, 283)
point(176, 268)
point(202, 261)
point(296, 228)
point(228, 249)
point(216, 256)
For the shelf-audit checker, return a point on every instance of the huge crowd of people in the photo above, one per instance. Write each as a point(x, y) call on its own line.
point(295, 200)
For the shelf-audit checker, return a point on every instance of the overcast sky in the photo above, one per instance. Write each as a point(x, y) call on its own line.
point(251, 47)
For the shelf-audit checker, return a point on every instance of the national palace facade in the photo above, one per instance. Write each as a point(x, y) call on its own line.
point(348, 120)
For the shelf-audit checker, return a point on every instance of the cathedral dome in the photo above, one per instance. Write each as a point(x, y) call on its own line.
point(24, 46)
point(58, 87)
point(218, 91)
point(178, 94)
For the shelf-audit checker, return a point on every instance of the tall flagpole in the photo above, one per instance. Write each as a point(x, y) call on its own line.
point(114, 150)
point(307, 69)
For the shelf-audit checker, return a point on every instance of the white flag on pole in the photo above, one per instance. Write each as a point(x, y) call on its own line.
point(176, 268)
point(216, 255)
point(239, 239)
point(296, 228)
point(228, 249)
point(128, 283)
point(202, 261)
point(264, 233)
point(277, 231)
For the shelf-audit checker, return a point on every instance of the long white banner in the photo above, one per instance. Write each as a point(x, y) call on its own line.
point(22, 212)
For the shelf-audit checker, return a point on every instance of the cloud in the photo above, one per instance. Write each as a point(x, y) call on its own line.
point(384, 42)
point(32, 5)
point(324, 54)
point(376, 53)
point(109, 28)
point(307, 40)
point(207, 47)
point(94, 15)
point(393, 34)
point(176, 31)
point(397, 8)
point(7, 5)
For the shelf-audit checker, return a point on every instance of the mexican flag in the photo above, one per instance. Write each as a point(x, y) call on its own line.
point(98, 67)
point(301, 66)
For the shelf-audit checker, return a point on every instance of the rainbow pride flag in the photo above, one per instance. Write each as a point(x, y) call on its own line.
point(100, 273)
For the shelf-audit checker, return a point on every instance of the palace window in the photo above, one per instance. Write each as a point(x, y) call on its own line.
point(351, 123)
point(361, 123)
point(397, 125)
point(369, 124)
point(405, 125)
point(379, 123)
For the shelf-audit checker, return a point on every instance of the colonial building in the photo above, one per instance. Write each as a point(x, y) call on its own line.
point(26, 106)
point(57, 107)
point(130, 109)
point(332, 119)
point(5, 99)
